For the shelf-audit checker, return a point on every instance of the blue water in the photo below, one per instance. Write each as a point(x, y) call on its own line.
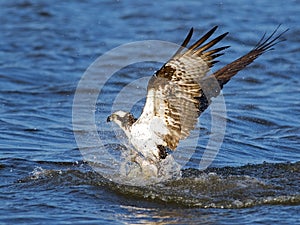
point(45, 48)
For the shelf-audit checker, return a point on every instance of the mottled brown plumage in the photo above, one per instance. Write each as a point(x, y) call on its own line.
point(179, 84)
point(180, 91)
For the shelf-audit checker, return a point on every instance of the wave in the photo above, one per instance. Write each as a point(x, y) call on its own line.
point(227, 187)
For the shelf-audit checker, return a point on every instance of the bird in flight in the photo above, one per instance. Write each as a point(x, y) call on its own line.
point(178, 93)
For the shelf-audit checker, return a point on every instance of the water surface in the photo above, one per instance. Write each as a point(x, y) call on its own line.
point(46, 46)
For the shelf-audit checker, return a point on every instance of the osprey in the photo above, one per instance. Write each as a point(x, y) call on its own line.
point(176, 97)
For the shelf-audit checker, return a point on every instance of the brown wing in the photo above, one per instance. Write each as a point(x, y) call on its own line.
point(223, 75)
point(179, 92)
point(174, 91)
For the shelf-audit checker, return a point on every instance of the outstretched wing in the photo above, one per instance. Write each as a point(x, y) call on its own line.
point(174, 91)
point(179, 92)
point(223, 75)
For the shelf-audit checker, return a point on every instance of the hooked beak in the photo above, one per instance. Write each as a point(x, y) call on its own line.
point(109, 119)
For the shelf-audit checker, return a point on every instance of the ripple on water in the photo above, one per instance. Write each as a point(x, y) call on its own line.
point(229, 187)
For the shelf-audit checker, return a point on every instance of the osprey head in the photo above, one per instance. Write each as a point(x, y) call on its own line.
point(123, 119)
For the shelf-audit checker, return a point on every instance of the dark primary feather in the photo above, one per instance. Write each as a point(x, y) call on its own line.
point(224, 74)
point(202, 39)
point(185, 42)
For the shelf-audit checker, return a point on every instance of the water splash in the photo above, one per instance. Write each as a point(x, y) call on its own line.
point(228, 187)
point(144, 173)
